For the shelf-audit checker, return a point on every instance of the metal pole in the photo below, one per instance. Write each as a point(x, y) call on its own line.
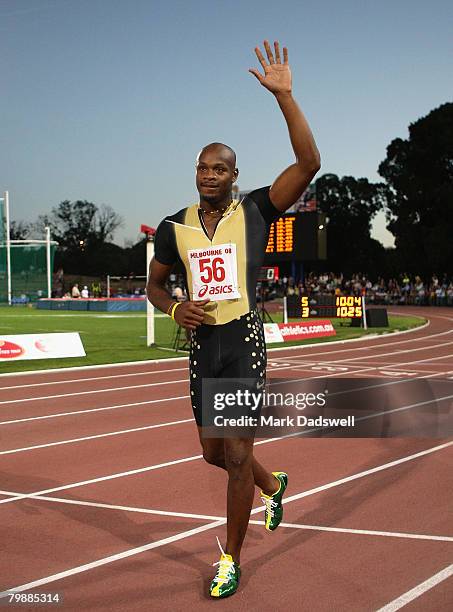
point(108, 286)
point(49, 271)
point(364, 313)
point(8, 247)
point(285, 309)
point(149, 306)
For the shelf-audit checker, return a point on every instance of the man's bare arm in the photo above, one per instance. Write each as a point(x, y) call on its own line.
point(293, 181)
point(187, 314)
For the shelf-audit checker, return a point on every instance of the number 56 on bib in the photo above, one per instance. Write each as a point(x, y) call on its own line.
point(214, 272)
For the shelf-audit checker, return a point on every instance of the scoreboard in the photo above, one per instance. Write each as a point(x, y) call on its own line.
point(299, 236)
point(281, 235)
point(329, 306)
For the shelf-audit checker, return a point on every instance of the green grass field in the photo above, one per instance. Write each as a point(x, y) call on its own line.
point(121, 337)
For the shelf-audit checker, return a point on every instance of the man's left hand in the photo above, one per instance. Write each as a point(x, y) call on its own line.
point(277, 76)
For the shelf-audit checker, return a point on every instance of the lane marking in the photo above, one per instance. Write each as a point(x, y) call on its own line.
point(374, 470)
point(94, 437)
point(82, 380)
point(295, 434)
point(81, 502)
point(368, 532)
point(389, 534)
point(114, 407)
point(196, 457)
point(106, 560)
point(98, 366)
point(418, 590)
point(185, 534)
point(106, 390)
point(81, 483)
point(411, 350)
point(109, 390)
point(283, 348)
point(370, 368)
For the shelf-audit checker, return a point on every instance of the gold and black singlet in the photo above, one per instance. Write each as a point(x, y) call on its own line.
point(224, 269)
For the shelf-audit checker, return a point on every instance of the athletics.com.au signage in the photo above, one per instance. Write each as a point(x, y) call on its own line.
point(285, 332)
point(43, 346)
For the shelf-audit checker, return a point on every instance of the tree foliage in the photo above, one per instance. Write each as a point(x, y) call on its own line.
point(83, 231)
point(350, 205)
point(419, 171)
point(80, 225)
point(19, 230)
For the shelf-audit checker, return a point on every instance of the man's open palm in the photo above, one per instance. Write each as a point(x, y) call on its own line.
point(277, 76)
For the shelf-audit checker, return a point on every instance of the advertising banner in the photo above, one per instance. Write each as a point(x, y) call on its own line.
point(40, 346)
point(284, 332)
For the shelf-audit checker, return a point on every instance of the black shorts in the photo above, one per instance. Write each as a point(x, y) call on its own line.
point(234, 350)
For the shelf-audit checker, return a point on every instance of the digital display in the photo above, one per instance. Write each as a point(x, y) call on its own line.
point(281, 235)
point(298, 236)
point(341, 307)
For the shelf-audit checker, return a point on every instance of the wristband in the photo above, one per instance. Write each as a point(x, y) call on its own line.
point(170, 307)
point(173, 308)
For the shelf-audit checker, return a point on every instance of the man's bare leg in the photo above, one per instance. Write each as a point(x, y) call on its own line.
point(214, 453)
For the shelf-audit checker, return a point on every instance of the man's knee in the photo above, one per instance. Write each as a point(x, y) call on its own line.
point(214, 458)
point(238, 457)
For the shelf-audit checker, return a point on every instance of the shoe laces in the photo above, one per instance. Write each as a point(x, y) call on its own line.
point(225, 566)
point(269, 503)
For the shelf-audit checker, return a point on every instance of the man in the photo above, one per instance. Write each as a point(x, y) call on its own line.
point(75, 291)
point(220, 244)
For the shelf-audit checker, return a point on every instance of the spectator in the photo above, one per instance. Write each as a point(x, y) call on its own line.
point(75, 293)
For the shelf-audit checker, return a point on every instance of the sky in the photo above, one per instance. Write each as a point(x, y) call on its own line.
point(110, 100)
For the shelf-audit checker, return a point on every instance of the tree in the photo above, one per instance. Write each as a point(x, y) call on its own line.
point(83, 232)
point(19, 230)
point(419, 171)
point(350, 205)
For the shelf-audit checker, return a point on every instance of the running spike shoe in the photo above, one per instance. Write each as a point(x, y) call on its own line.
point(273, 512)
point(226, 580)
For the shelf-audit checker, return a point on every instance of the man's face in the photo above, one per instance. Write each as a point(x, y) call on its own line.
point(215, 174)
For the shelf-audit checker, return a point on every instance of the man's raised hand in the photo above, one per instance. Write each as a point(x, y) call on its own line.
point(277, 76)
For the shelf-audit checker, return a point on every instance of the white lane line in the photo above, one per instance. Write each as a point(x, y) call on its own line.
point(148, 468)
point(97, 436)
point(109, 390)
point(114, 407)
point(106, 560)
point(367, 338)
point(88, 410)
point(387, 534)
point(411, 350)
point(191, 532)
point(418, 590)
point(374, 470)
point(196, 457)
point(106, 366)
point(347, 373)
point(83, 380)
point(364, 418)
point(292, 435)
point(80, 502)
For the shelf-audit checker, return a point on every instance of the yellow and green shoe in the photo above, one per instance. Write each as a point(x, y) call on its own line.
point(273, 512)
point(226, 580)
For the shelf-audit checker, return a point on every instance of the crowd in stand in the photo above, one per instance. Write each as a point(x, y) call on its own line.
point(406, 289)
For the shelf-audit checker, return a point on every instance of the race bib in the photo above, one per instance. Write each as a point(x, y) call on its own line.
point(214, 273)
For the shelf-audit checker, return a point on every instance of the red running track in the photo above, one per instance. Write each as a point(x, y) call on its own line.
point(105, 500)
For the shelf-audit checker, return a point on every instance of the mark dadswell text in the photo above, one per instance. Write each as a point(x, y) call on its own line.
point(287, 421)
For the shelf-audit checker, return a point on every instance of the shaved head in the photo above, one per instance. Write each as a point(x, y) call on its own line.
point(223, 150)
